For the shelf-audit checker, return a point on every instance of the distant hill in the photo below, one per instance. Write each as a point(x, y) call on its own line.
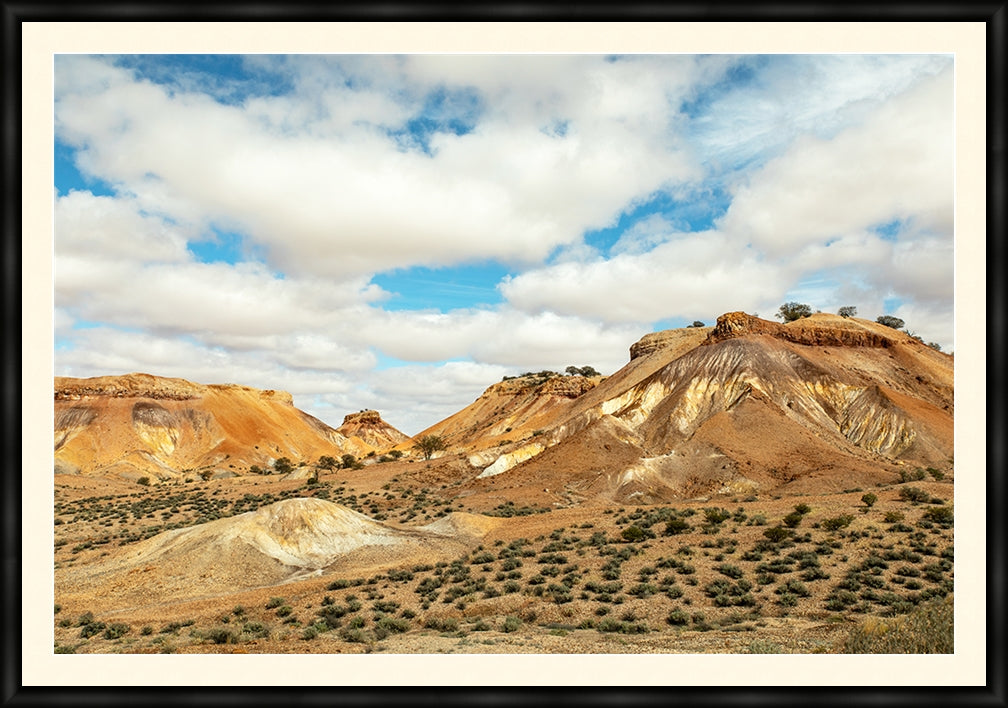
point(140, 425)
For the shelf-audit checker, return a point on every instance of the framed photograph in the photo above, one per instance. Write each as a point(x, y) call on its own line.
point(453, 352)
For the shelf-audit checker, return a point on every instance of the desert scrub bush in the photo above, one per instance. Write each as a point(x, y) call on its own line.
point(837, 522)
point(941, 515)
point(732, 571)
point(116, 630)
point(393, 624)
point(927, 629)
point(794, 587)
point(257, 630)
point(442, 624)
point(677, 617)
point(676, 526)
point(914, 495)
point(634, 533)
point(776, 534)
point(511, 624)
point(643, 590)
point(91, 628)
point(274, 602)
point(716, 516)
point(220, 635)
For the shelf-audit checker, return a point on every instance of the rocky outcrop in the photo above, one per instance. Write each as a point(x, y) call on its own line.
point(152, 387)
point(363, 418)
point(818, 330)
point(368, 428)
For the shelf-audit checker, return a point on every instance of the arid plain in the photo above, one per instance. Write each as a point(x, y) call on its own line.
point(751, 487)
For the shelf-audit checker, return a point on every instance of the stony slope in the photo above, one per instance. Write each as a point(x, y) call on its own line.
point(141, 425)
point(280, 543)
point(511, 410)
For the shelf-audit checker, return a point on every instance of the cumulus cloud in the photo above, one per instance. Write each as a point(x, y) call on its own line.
point(836, 174)
point(342, 197)
point(687, 275)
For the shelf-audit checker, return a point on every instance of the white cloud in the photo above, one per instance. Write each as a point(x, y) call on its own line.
point(690, 275)
point(322, 181)
point(339, 197)
point(897, 164)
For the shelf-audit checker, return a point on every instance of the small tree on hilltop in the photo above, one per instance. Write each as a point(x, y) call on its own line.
point(697, 323)
point(589, 371)
point(847, 311)
point(890, 321)
point(791, 311)
point(429, 444)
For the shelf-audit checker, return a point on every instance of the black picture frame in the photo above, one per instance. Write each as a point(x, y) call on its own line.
point(993, 14)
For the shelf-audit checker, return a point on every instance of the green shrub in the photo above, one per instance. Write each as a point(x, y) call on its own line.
point(676, 526)
point(776, 534)
point(116, 630)
point(791, 311)
point(442, 624)
point(632, 534)
point(511, 624)
point(890, 321)
point(869, 499)
point(677, 617)
point(716, 516)
point(913, 494)
point(274, 602)
point(393, 624)
point(837, 522)
point(941, 515)
point(221, 635)
point(793, 519)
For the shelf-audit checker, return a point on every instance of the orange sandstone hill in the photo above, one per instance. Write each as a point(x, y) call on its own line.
point(367, 429)
point(822, 403)
point(140, 425)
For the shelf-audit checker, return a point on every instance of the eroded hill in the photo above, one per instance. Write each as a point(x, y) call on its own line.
point(140, 425)
point(823, 402)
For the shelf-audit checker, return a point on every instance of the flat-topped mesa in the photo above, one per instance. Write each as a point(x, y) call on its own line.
point(555, 385)
point(818, 330)
point(653, 341)
point(139, 385)
point(127, 386)
point(369, 417)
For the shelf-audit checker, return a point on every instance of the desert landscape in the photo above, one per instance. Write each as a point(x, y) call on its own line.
point(747, 487)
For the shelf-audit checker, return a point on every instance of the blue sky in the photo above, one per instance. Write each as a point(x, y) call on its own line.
point(400, 231)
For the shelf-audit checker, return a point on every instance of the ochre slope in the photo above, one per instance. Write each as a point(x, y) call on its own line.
point(820, 403)
point(141, 425)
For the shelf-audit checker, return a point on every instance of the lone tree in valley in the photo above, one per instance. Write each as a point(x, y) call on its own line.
point(847, 311)
point(429, 444)
point(890, 321)
point(283, 465)
point(791, 311)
